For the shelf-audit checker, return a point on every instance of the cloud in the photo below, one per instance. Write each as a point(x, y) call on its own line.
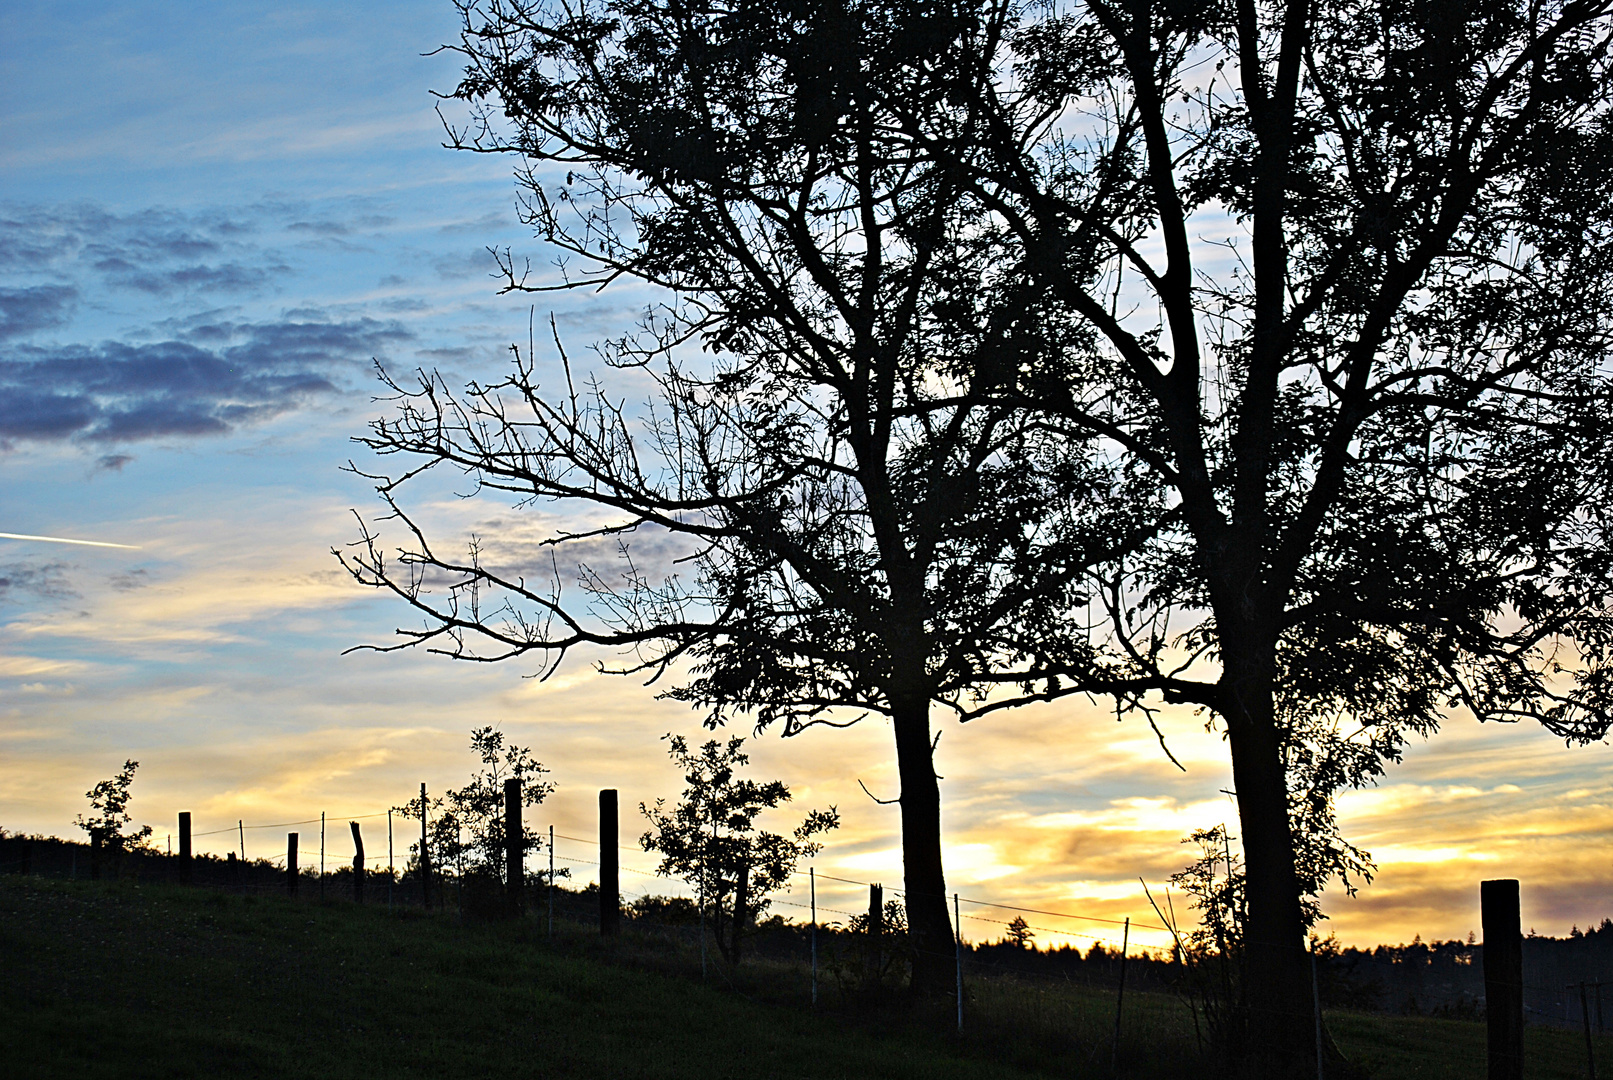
point(327, 227)
point(154, 251)
point(225, 277)
point(134, 579)
point(44, 581)
point(32, 237)
point(466, 265)
point(23, 311)
point(117, 392)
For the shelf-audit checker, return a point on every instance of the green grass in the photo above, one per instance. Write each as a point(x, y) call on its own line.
point(1425, 1048)
point(126, 980)
point(148, 981)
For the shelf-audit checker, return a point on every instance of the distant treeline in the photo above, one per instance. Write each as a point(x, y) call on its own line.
point(1447, 977)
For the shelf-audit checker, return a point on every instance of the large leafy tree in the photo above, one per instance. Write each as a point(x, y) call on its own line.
point(868, 519)
point(1351, 266)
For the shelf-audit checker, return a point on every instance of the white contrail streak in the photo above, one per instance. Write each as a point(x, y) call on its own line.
point(65, 540)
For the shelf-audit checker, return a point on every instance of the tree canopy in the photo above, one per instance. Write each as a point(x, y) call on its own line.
point(1350, 264)
point(710, 838)
point(1251, 354)
point(871, 521)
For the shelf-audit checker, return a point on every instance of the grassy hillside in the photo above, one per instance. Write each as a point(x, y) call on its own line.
point(118, 979)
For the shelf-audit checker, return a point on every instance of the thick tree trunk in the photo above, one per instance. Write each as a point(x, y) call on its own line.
point(928, 924)
point(1281, 1029)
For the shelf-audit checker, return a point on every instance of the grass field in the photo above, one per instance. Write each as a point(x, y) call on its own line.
point(125, 980)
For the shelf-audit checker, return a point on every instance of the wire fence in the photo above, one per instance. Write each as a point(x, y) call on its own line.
point(1445, 985)
point(330, 853)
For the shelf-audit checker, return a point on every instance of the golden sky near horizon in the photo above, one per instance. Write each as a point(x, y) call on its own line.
point(222, 674)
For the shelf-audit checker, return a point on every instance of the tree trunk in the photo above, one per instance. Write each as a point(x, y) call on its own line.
point(1280, 1029)
point(928, 924)
point(723, 946)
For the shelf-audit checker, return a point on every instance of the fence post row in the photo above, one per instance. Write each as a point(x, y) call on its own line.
point(184, 846)
point(291, 863)
point(610, 879)
point(358, 864)
point(514, 847)
point(1503, 977)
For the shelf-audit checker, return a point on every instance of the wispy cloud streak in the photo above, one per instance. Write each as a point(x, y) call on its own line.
point(66, 540)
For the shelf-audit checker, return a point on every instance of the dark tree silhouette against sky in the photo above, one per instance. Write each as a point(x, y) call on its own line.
point(1280, 331)
point(871, 520)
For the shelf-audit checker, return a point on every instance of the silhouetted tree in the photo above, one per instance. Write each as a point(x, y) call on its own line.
point(710, 838)
point(868, 519)
point(109, 801)
point(1019, 933)
point(1352, 268)
point(466, 825)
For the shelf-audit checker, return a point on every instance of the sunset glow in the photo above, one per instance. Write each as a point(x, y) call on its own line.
point(223, 222)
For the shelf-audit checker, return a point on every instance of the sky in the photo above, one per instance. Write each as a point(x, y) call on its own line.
point(214, 220)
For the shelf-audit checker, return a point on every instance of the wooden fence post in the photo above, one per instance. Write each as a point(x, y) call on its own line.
point(291, 863)
point(872, 948)
point(957, 954)
point(1120, 998)
point(741, 904)
point(812, 884)
point(514, 848)
point(184, 846)
point(425, 855)
point(358, 865)
point(610, 877)
point(1503, 977)
point(1585, 1018)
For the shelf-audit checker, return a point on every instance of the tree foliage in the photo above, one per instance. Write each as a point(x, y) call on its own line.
point(1350, 269)
point(1247, 354)
point(843, 508)
point(1019, 934)
point(109, 805)
point(710, 838)
point(466, 825)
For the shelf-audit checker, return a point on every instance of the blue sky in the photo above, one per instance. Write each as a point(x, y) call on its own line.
point(213, 220)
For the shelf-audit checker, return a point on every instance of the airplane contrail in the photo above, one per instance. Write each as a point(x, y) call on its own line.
point(65, 540)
